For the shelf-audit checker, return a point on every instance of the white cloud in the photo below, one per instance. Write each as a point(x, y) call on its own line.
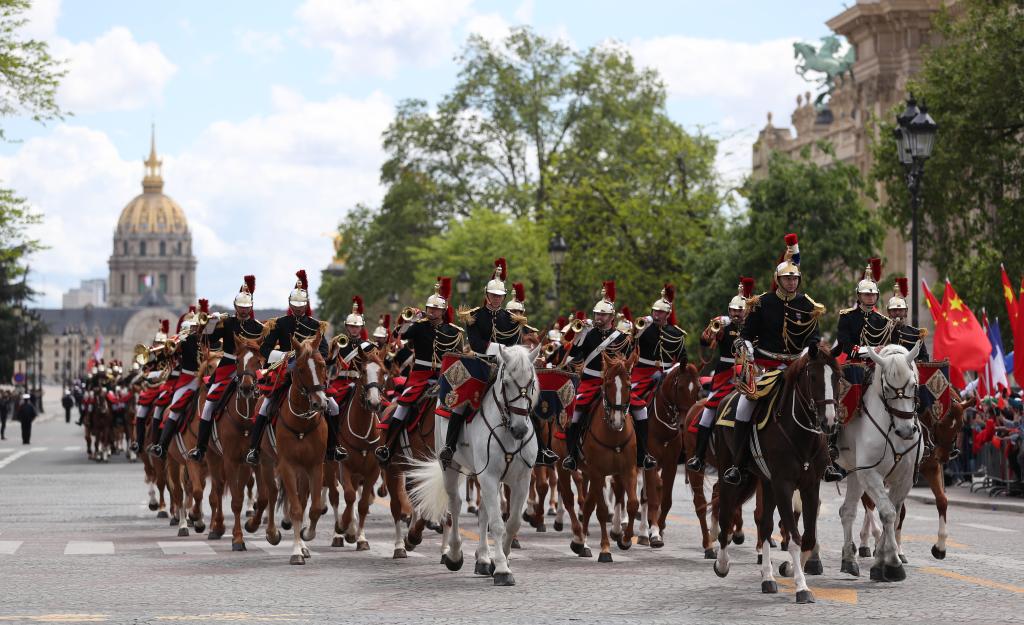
point(42, 19)
point(260, 44)
point(376, 36)
point(112, 73)
point(490, 26)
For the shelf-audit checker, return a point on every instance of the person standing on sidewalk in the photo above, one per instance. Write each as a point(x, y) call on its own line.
point(26, 413)
point(5, 410)
point(68, 402)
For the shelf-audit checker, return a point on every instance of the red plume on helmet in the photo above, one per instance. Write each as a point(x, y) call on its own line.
point(357, 304)
point(609, 290)
point(520, 292)
point(250, 283)
point(165, 325)
point(500, 264)
point(670, 292)
point(791, 239)
point(561, 323)
point(747, 285)
point(387, 322)
point(363, 334)
point(445, 291)
point(303, 280)
point(627, 314)
point(876, 268)
point(903, 287)
point(204, 306)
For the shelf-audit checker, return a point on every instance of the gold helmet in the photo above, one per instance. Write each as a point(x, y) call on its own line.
point(442, 291)
point(244, 297)
point(356, 318)
point(869, 279)
point(744, 291)
point(383, 328)
point(790, 263)
point(299, 297)
point(496, 285)
point(898, 301)
point(665, 302)
point(515, 305)
point(606, 304)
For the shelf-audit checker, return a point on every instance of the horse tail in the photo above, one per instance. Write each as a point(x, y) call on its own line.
point(428, 494)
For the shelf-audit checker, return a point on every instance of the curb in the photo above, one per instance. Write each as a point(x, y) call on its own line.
point(995, 504)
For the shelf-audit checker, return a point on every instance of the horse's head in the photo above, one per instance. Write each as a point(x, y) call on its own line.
point(816, 375)
point(372, 376)
point(615, 384)
point(310, 371)
point(517, 388)
point(247, 366)
point(896, 380)
point(681, 388)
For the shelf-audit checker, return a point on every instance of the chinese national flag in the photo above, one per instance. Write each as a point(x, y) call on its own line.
point(1011, 301)
point(933, 304)
point(960, 337)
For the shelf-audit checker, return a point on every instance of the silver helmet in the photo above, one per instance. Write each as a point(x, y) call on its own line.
point(869, 279)
point(606, 304)
point(898, 301)
point(383, 328)
point(744, 291)
point(790, 265)
point(299, 297)
point(244, 297)
point(496, 285)
point(356, 317)
point(442, 291)
point(515, 305)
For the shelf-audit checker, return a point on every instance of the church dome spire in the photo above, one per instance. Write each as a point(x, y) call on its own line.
point(153, 182)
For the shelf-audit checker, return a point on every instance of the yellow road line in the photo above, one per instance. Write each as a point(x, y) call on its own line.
point(979, 581)
point(842, 595)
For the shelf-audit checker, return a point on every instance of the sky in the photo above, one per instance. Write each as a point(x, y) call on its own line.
point(269, 115)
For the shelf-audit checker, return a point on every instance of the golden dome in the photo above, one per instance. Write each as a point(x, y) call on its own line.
point(152, 211)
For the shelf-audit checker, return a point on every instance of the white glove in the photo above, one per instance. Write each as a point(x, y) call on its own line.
point(749, 348)
point(275, 356)
point(725, 320)
point(492, 349)
point(863, 351)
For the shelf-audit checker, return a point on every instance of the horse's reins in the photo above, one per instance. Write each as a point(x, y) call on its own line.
point(893, 414)
point(364, 387)
point(810, 407)
point(309, 414)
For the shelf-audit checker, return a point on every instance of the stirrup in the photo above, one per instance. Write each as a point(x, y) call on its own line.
point(833, 474)
point(134, 446)
point(197, 454)
point(383, 454)
point(546, 458)
point(445, 456)
point(695, 464)
point(569, 463)
point(648, 463)
point(954, 453)
point(337, 454)
point(732, 476)
point(253, 457)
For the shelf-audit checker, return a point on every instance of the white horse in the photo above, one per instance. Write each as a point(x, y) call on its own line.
point(881, 449)
point(500, 448)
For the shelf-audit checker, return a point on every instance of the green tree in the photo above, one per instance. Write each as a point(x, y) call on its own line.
point(972, 209)
point(29, 77)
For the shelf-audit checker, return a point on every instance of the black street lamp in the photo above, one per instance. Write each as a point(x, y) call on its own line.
point(557, 249)
point(393, 302)
point(915, 139)
point(462, 283)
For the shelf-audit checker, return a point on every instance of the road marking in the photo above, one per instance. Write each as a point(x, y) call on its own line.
point(9, 459)
point(89, 548)
point(6, 450)
point(386, 549)
point(9, 547)
point(980, 581)
point(56, 618)
point(987, 528)
point(842, 595)
point(182, 548)
point(74, 448)
point(922, 538)
point(284, 548)
point(233, 616)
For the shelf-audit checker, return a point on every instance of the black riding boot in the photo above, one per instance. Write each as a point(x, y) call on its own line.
point(154, 430)
point(644, 460)
point(545, 457)
point(387, 450)
point(572, 437)
point(696, 463)
point(255, 436)
point(732, 475)
point(140, 434)
point(160, 449)
point(451, 439)
point(335, 452)
point(202, 440)
point(833, 473)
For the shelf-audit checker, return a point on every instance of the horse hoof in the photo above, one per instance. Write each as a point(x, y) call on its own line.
point(286, 524)
point(251, 525)
point(438, 529)
point(515, 544)
point(362, 545)
point(643, 540)
point(760, 559)
point(769, 588)
point(409, 546)
point(785, 545)
point(483, 568)
point(472, 510)
point(851, 567)
point(182, 531)
point(894, 573)
point(248, 514)
point(350, 538)
point(414, 540)
point(559, 526)
point(604, 556)
point(173, 521)
point(657, 542)
point(542, 528)
point(813, 567)
point(616, 536)
point(297, 559)
point(717, 572)
point(215, 535)
point(504, 579)
point(576, 547)
point(338, 542)
point(709, 554)
point(307, 533)
point(453, 565)
point(200, 527)
point(504, 517)
point(399, 554)
point(274, 539)
point(864, 552)
point(528, 519)
point(552, 512)
point(876, 574)
point(380, 490)
point(938, 554)
point(586, 553)
point(738, 538)
point(154, 506)
point(786, 569)
point(804, 596)
point(323, 511)
point(774, 545)
point(903, 559)
point(306, 553)
point(623, 545)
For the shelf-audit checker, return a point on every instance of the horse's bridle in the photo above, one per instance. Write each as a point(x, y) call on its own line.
point(305, 392)
point(609, 407)
point(505, 407)
point(899, 393)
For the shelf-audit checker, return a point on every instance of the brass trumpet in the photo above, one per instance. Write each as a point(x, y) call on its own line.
point(143, 354)
point(640, 324)
point(409, 313)
point(577, 325)
point(341, 341)
point(714, 326)
point(549, 348)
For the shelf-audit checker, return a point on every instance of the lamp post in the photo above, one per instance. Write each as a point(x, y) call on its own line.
point(393, 302)
point(557, 249)
point(915, 139)
point(462, 283)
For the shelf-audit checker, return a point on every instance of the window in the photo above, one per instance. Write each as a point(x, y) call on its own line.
point(123, 279)
point(163, 248)
point(142, 248)
point(163, 279)
point(125, 248)
point(142, 283)
point(179, 249)
point(182, 280)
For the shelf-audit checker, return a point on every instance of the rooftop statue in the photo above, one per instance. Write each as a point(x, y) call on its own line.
point(825, 60)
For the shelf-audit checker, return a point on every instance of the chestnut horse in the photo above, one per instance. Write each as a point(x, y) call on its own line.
point(101, 427)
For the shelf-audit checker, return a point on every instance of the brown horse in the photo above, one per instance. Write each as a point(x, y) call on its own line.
point(360, 436)
point(609, 449)
point(154, 469)
point(101, 428)
point(294, 450)
point(666, 413)
point(792, 458)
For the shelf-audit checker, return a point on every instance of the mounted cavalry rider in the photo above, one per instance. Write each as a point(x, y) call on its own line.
point(595, 339)
point(188, 380)
point(903, 333)
point(782, 323)
point(430, 336)
point(226, 328)
point(351, 345)
point(723, 331)
point(661, 346)
point(298, 324)
point(381, 333)
point(517, 306)
point(149, 384)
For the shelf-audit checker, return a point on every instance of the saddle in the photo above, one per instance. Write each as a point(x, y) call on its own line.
point(422, 407)
point(767, 394)
point(222, 403)
point(188, 415)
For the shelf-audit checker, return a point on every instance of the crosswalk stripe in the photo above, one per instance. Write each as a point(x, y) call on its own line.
point(9, 459)
point(185, 548)
point(385, 549)
point(9, 547)
point(74, 448)
point(284, 548)
point(89, 548)
point(987, 528)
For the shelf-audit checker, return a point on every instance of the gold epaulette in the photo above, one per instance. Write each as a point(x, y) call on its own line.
point(819, 309)
point(518, 319)
point(531, 328)
point(922, 332)
point(466, 315)
point(844, 310)
point(753, 302)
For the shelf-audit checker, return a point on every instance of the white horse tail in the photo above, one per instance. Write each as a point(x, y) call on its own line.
point(428, 494)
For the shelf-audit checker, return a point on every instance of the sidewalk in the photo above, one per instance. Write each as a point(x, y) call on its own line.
point(961, 496)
